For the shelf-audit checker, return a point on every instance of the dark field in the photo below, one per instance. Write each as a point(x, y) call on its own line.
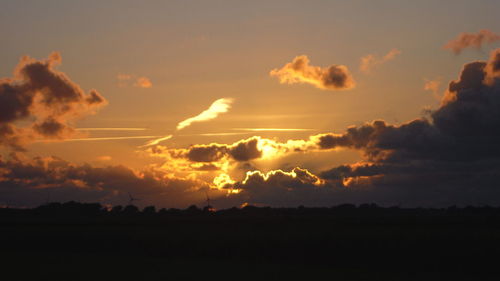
point(83, 242)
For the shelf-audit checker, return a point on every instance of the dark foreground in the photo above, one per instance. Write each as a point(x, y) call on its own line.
point(83, 242)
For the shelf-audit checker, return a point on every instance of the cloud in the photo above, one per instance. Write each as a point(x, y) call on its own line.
point(334, 77)
point(104, 158)
point(280, 188)
point(272, 129)
point(370, 61)
point(111, 129)
point(241, 151)
point(126, 80)
point(157, 141)
point(28, 182)
point(143, 82)
point(433, 86)
point(453, 158)
point(296, 178)
point(218, 107)
point(471, 40)
point(105, 138)
point(43, 98)
point(450, 157)
point(492, 68)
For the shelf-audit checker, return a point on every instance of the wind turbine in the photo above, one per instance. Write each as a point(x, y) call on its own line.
point(208, 207)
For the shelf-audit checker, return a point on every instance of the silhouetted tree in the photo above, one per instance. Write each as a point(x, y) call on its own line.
point(130, 210)
point(149, 210)
point(117, 209)
point(193, 209)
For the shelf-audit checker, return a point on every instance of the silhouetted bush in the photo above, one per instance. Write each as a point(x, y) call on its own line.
point(193, 210)
point(117, 209)
point(130, 210)
point(71, 209)
point(149, 210)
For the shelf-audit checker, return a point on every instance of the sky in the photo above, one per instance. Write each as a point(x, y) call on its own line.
point(272, 103)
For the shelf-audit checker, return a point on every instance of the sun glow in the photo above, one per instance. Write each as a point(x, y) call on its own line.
point(268, 149)
point(296, 173)
point(224, 182)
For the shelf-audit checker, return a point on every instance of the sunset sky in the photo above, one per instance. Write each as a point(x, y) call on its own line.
point(250, 102)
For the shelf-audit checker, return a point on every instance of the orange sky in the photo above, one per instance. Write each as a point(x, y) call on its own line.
point(252, 86)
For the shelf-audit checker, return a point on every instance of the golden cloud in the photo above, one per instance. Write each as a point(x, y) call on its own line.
point(216, 108)
point(333, 77)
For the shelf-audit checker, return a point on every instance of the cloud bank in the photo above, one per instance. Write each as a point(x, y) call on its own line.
point(30, 182)
point(449, 157)
point(333, 77)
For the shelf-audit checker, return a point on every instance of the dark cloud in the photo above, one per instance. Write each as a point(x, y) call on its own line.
point(452, 158)
point(244, 150)
point(296, 178)
point(206, 153)
point(51, 128)
point(30, 182)
point(492, 69)
point(281, 188)
point(471, 40)
point(449, 157)
point(466, 126)
point(44, 97)
point(334, 77)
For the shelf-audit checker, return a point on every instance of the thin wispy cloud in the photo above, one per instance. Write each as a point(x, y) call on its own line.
point(433, 85)
point(218, 107)
point(223, 134)
point(143, 82)
point(104, 158)
point(370, 61)
point(272, 129)
point(156, 141)
point(112, 129)
point(126, 80)
point(102, 138)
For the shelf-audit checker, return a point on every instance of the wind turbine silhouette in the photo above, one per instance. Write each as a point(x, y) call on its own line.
point(132, 199)
point(208, 207)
